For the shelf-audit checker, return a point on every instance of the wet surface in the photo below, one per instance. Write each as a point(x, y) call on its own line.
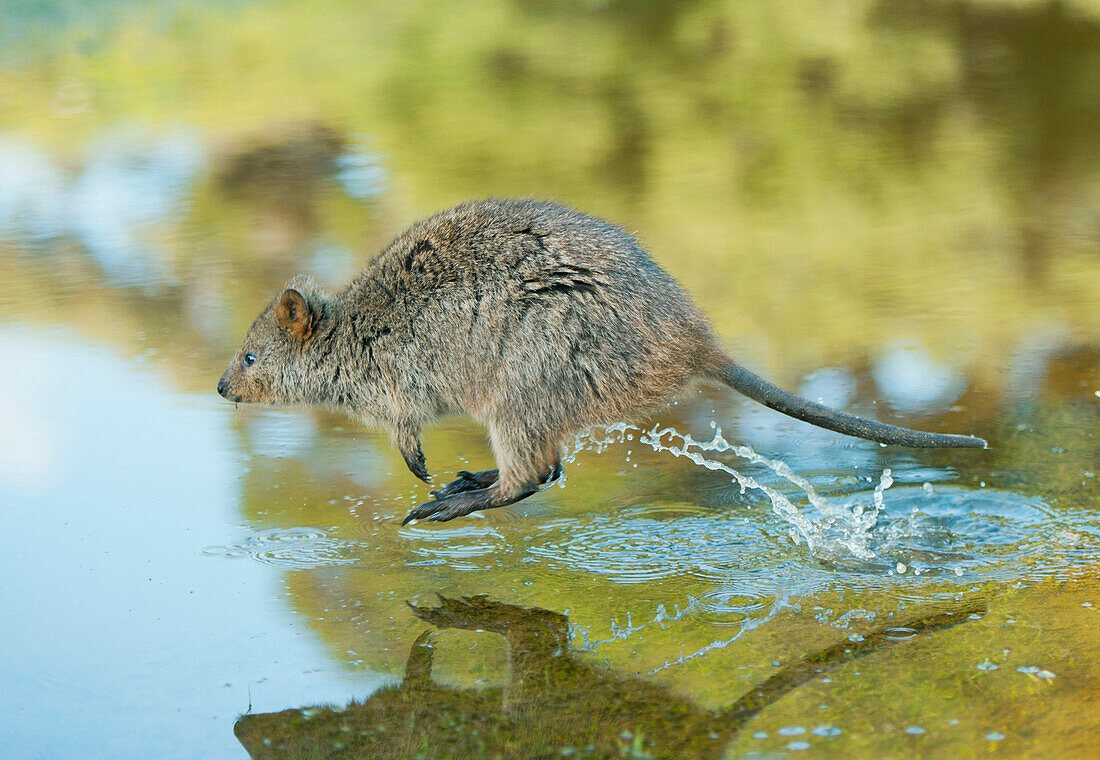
point(890, 211)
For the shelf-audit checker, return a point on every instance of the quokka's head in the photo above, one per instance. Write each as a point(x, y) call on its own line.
point(268, 368)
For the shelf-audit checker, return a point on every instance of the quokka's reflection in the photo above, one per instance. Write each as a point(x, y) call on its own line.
point(552, 704)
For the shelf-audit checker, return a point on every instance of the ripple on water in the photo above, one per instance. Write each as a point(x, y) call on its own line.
point(733, 603)
point(899, 634)
point(924, 544)
point(294, 548)
point(454, 546)
point(905, 533)
point(633, 547)
point(981, 535)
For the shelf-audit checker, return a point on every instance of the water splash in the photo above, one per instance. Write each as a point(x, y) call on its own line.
point(842, 530)
point(621, 633)
point(749, 624)
point(907, 544)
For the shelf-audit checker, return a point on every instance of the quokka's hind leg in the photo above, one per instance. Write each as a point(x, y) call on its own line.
point(524, 466)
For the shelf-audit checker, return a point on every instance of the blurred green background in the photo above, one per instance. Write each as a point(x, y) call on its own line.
point(827, 178)
point(892, 205)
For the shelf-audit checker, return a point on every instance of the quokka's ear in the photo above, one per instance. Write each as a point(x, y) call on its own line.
point(292, 313)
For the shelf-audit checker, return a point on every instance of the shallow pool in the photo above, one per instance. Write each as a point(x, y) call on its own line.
point(892, 212)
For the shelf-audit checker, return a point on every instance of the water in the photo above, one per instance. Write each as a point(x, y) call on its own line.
point(890, 212)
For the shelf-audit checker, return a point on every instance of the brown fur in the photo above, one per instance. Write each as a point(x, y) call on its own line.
point(534, 319)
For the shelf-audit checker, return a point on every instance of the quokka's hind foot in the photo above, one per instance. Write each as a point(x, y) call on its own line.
point(443, 508)
point(467, 481)
point(466, 494)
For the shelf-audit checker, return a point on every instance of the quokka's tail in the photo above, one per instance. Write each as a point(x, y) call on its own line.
point(759, 389)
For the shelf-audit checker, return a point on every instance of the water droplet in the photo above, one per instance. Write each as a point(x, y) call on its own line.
point(1027, 669)
point(914, 730)
point(987, 665)
point(798, 745)
point(826, 731)
point(791, 731)
point(1045, 674)
point(901, 568)
point(760, 735)
point(994, 736)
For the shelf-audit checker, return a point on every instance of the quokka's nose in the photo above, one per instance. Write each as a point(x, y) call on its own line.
point(221, 387)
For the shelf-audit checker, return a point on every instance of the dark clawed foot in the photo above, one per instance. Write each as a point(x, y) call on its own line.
point(467, 481)
point(443, 508)
point(418, 466)
point(409, 445)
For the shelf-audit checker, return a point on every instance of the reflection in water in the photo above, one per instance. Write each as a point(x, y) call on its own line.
point(128, 196)
point(126, 199)
point(30, 195)
point(110, 485)
point(279, 181)
point(903, 193)
point(911, 381)
point(552, 704)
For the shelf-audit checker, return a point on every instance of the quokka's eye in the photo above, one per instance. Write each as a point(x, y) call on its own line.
point(248, 360)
